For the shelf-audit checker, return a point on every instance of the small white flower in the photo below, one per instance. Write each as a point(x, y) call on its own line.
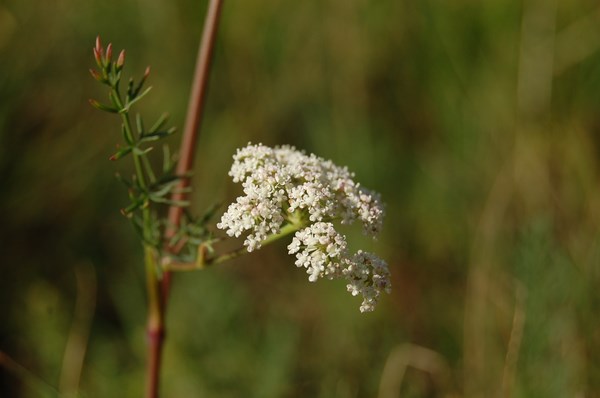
point(368, 275)
point(320, 249)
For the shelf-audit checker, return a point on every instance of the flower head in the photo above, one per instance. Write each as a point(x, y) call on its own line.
point(367, 275)
point(320, 249)
point(283, 186)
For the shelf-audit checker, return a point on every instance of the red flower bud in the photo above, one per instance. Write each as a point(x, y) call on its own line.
point(98, 56)
point(121, 59)
point(96, 75)
point(98, 52)
point(108, 53)
point(98, 44)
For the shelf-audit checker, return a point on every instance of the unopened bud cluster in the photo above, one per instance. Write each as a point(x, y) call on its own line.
point(283, 186)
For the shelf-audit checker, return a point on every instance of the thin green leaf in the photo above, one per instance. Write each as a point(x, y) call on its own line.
point(170, 202)
point(140, 124)
point(148, 168)
point(103, 107)
point(151, 138)
point(141, 83)
point(157, 135)
point(131, 208)
point(135, 99)
point(130, 90)
point(159, 123)
point(166, 159)
point(164, 189)
point(121, 153)
point(140, 152)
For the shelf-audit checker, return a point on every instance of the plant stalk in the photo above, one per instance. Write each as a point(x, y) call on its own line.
point(155, 326)
point(193, 121)
point(158, 289)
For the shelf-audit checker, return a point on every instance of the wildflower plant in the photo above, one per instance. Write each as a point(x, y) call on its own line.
point(285, 191)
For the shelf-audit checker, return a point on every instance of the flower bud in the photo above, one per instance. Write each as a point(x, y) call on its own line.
point(96, 75)
point(109, 53)
point(98, 51)
point(121, 60)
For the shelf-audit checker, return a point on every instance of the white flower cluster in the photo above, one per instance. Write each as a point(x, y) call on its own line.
point(323, 252)
point(284, 186)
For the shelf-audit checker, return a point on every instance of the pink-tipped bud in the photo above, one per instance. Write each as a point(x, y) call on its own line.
point(121, 59)
point(146, 72)
point(108, 53)
point(98, 44)
point(98, 51)
point(98, 56)
point(96, 75)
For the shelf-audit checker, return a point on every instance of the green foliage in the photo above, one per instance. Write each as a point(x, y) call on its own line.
point(147, 190)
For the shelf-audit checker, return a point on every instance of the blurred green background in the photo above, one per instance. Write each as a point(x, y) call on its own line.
point(478, 121)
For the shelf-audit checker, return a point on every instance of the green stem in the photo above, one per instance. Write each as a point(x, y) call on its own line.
point(286, 230)
point(136, 158)
point(203, 263)
point(152, 285)
point(129, 136)
point(155, 327)
point(148, 168)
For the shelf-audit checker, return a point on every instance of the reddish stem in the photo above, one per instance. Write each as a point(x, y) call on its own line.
point(156, 327)
point(156, 336)
point(193, 120)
